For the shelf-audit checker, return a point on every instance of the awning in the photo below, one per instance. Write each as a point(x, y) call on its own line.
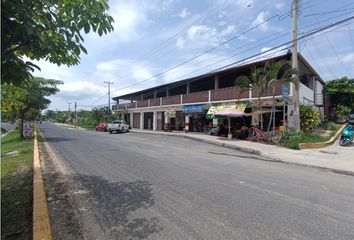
point(192, 108)
point(231, 109)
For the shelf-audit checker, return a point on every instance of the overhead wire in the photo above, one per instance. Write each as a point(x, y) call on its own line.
point(313, 34)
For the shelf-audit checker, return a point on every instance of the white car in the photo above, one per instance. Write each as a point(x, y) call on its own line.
point(118, 126)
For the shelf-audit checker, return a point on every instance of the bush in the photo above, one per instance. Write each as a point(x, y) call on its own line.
point(326, 125)
point(309, 118)
point(291, 139)
point(342, 112)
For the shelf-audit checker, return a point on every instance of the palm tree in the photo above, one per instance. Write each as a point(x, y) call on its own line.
point(278, 73)
point(257, 81)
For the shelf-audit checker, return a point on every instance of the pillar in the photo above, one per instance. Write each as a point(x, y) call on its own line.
point(167, 122)
point(131, 119)
point(216, 82)
point(188, 90)
point(155, 94)
point(167, 92)
point(186, 123)
point(141, 120)
point(154, 121)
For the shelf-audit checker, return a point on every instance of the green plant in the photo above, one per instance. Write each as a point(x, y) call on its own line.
point(342, 112)
point(309, 118)
point(291, 139)
point(326, 125)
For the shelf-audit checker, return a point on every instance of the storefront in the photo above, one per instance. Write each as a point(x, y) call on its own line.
point(195, 116)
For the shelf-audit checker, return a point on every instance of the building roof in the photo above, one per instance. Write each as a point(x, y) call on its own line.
point(221, 72)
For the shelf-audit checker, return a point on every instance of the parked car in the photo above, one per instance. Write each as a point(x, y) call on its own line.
point(118, 126)
point(102, 127)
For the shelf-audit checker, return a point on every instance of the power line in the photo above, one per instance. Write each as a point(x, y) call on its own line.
point(277, 49)
point(201, 54)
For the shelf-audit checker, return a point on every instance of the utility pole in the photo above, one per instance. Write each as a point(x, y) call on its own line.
point(294, 116)
point(69, 103)
point(109, 95)
point(75, 114)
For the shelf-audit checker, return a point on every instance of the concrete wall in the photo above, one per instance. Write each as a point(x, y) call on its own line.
point(306, 95)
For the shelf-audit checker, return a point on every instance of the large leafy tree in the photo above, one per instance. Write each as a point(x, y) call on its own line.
point(28, 99)
point(47, 29)
point(341, 92)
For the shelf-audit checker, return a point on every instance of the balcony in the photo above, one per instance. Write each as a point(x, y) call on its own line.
point(215, 95)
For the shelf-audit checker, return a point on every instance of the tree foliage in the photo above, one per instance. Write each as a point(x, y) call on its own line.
point(47, 29)
point(26, 100)
point(341, 92)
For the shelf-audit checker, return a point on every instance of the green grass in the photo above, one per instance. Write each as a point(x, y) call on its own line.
point(16, 187)
point(88, 126)
point(293, 139)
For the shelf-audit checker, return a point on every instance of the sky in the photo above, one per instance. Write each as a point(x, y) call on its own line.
point(178, 39)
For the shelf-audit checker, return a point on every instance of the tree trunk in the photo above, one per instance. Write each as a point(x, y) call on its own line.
point(21, 123)
point(260, 111)
point(272, 114)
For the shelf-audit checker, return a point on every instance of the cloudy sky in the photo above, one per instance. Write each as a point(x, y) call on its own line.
point(152, 37)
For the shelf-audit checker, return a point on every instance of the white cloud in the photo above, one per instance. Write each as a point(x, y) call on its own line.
point(279, 5)
point(184, 13)
point(141, 73)
point(199, 36)
point(348, 58)
point(261, 18)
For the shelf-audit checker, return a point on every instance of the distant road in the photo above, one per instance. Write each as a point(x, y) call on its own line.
point(142, 186)
point(8, 126)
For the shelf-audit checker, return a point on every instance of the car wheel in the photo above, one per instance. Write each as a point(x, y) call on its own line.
point(110, 132)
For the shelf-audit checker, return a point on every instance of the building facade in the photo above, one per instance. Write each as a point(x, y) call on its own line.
point(184, 105)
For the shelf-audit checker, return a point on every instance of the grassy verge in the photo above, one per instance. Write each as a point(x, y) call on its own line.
point(293, 139)
point(88, 126)
point(16, 187)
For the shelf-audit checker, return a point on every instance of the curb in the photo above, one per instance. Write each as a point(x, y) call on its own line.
point(323, 144)
point(41, 226)
point(252, 151)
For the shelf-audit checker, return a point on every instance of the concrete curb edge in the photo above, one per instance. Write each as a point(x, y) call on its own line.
point(41, 225)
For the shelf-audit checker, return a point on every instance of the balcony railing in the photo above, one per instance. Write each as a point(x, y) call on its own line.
point(222, 94)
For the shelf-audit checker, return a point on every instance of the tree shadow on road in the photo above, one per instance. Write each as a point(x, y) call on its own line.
point(118, 206)
point(57, 139)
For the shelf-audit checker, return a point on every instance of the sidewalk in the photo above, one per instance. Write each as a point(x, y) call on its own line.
point(333, 158)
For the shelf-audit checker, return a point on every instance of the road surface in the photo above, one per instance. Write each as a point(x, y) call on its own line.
point(142, 186)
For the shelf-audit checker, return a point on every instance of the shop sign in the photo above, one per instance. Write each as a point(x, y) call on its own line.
point(192, 108)
point(170, 113)
point(285, 90)
point(226, 107)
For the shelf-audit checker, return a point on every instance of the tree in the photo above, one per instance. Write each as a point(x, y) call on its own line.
point(29, 98)
point(278, 73)
point(47, 29)
point(341, 92)
point(258, 82)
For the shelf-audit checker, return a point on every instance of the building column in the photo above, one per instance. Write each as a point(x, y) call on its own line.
point(141, 120)
point(188, 90)
point(216, 82)
point(167, 122)
point(186, 123)
point(154, 121)
point(155, 94)
point(131, 119)
point(167, 92)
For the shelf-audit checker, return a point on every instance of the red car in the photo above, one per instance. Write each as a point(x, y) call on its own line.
point(102, 127)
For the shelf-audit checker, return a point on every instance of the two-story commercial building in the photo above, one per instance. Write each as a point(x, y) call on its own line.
point(186, 104)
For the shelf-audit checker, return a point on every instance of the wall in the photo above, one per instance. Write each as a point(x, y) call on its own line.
point(306, 93)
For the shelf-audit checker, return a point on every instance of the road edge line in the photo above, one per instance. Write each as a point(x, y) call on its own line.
point(41, 225)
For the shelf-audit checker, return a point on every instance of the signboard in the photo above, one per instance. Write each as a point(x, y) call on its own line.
point(192, 108)
point(230, 107)
point(285, 92)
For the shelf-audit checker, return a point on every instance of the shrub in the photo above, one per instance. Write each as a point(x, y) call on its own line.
point(309, 118)
point(291, 139)
point(342, 112)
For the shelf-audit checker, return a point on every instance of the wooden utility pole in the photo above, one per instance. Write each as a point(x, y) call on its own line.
point(75, 114)
point(294, 115)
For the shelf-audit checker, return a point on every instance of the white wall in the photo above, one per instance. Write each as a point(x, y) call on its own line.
point(307, 93)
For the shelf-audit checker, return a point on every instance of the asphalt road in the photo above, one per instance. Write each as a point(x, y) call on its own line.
point(142, 186)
